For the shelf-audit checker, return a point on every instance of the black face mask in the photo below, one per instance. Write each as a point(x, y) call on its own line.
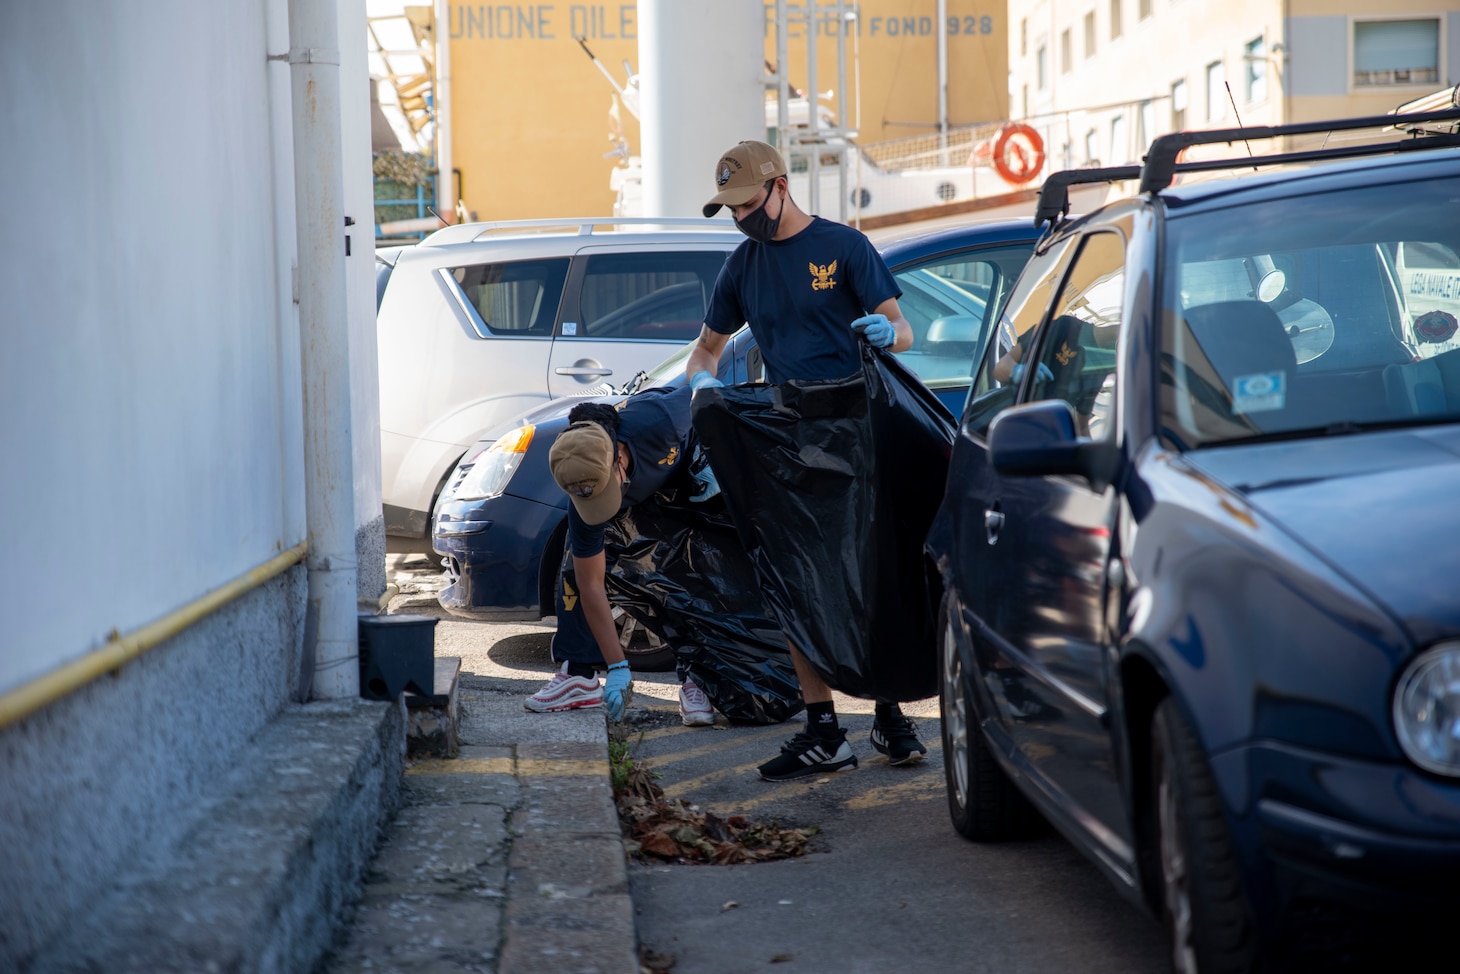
point(757, 225)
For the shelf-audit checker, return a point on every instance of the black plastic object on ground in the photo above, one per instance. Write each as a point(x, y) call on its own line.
point(397, 653)
point(833, 486)
point(682, 571)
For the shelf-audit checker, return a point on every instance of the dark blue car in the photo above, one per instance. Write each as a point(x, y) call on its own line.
point(1201, 558)
point(501, 520)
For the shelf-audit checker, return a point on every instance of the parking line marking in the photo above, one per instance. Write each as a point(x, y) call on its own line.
point(678, 788)
point(720, 742)
point(920, 789)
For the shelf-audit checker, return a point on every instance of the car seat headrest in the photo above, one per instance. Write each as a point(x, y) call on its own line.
point(1241, 338)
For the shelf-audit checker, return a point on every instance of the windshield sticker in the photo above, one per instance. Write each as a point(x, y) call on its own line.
point(1259, 392)
point(1435, 327)
point(570, 328)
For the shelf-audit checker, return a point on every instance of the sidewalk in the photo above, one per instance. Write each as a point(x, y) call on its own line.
point(508, 858)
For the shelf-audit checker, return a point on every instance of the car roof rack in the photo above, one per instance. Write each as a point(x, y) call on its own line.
point(1160, 165)
point(583, 226)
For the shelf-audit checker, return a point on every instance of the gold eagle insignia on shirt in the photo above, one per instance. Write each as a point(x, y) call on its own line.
point(821, 277)
point(673, 455)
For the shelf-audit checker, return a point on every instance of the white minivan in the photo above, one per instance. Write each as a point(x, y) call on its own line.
point(481, 321)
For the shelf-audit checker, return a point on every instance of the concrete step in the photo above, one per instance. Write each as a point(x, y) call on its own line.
point(433, 718)
point(262, 875)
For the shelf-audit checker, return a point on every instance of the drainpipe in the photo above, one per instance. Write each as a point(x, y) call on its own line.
point(441, 97)
point(324, 336)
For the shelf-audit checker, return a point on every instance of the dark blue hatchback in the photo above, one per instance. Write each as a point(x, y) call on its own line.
point(1202, 563)
point(501, 519)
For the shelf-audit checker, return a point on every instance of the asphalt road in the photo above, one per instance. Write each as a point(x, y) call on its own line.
point(888, 885)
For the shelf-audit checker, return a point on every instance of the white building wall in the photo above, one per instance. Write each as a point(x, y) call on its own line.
point(151, 416)
point(141, 383)
point(1306, 63)
point(1103, 92)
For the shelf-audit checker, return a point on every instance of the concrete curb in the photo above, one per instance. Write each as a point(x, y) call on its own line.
point(507, 859)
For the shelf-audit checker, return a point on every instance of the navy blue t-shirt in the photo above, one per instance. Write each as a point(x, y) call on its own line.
point(800, 297)
point(654, 426)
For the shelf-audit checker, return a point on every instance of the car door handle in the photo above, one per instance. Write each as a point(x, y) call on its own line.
point(993, 522)
point(576, 370)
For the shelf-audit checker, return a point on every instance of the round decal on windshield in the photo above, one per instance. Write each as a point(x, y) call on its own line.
point(1435, 327)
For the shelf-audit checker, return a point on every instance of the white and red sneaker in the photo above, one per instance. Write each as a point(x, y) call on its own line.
point(694, 706)
point(564, 692)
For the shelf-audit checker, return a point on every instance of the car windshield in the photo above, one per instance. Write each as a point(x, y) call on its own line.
point(1313, 315)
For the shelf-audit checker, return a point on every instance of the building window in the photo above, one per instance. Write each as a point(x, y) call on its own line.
point(1114, 19)
point(1146, 123)
point(1143, 10)
point(1216, 92)
point(1024, 37)
point(1119, 141)
point(1254, 70)
point(1041, 67)
point(1092, 147)
point(1396, 52)
point(1089, 35)
point(1067, 57)
point(1024, 91)
point(1178, 106)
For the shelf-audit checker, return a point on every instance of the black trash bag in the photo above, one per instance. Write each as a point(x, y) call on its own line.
point(914, 434)
point(833, 486)
point(681, 570)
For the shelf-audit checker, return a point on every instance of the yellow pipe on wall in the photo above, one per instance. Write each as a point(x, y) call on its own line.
point(120, 650)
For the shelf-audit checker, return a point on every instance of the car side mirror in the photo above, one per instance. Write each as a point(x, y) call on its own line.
point(1040, 439)
point(954, 329)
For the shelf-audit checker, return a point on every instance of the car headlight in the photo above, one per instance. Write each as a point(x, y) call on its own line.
point(1427, 709)
point(493, 467)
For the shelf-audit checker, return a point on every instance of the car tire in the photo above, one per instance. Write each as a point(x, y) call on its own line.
point(1205, 909)
point(983, 801)
point(646, 652)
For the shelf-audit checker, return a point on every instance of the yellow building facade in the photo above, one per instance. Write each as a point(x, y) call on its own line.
point(530, 112)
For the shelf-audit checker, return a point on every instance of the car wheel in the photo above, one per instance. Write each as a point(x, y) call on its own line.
point(645, 651)
point(983, 802)
point(1206, 912)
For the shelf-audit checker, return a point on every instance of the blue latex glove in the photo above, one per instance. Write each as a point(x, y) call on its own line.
point(1043, 374)
point(875, 330)
point(704, 380)
point(617, 689)
point(706, 485)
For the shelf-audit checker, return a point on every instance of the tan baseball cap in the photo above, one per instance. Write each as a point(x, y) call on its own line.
point(581, 460)
point(741, 173)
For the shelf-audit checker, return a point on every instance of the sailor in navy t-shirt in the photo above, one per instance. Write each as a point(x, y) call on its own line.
point(608, 460)
point(800, 297)
point(809, 289)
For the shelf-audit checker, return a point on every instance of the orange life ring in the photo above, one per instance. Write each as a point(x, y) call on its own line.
point(1018, 153)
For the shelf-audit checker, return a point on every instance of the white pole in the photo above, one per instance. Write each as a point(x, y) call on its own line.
point(696, 99)
point(330, 621)
point(813, 114)
point(841, 108)
point(441, 95)
point(942, 82)
point(783, 85)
